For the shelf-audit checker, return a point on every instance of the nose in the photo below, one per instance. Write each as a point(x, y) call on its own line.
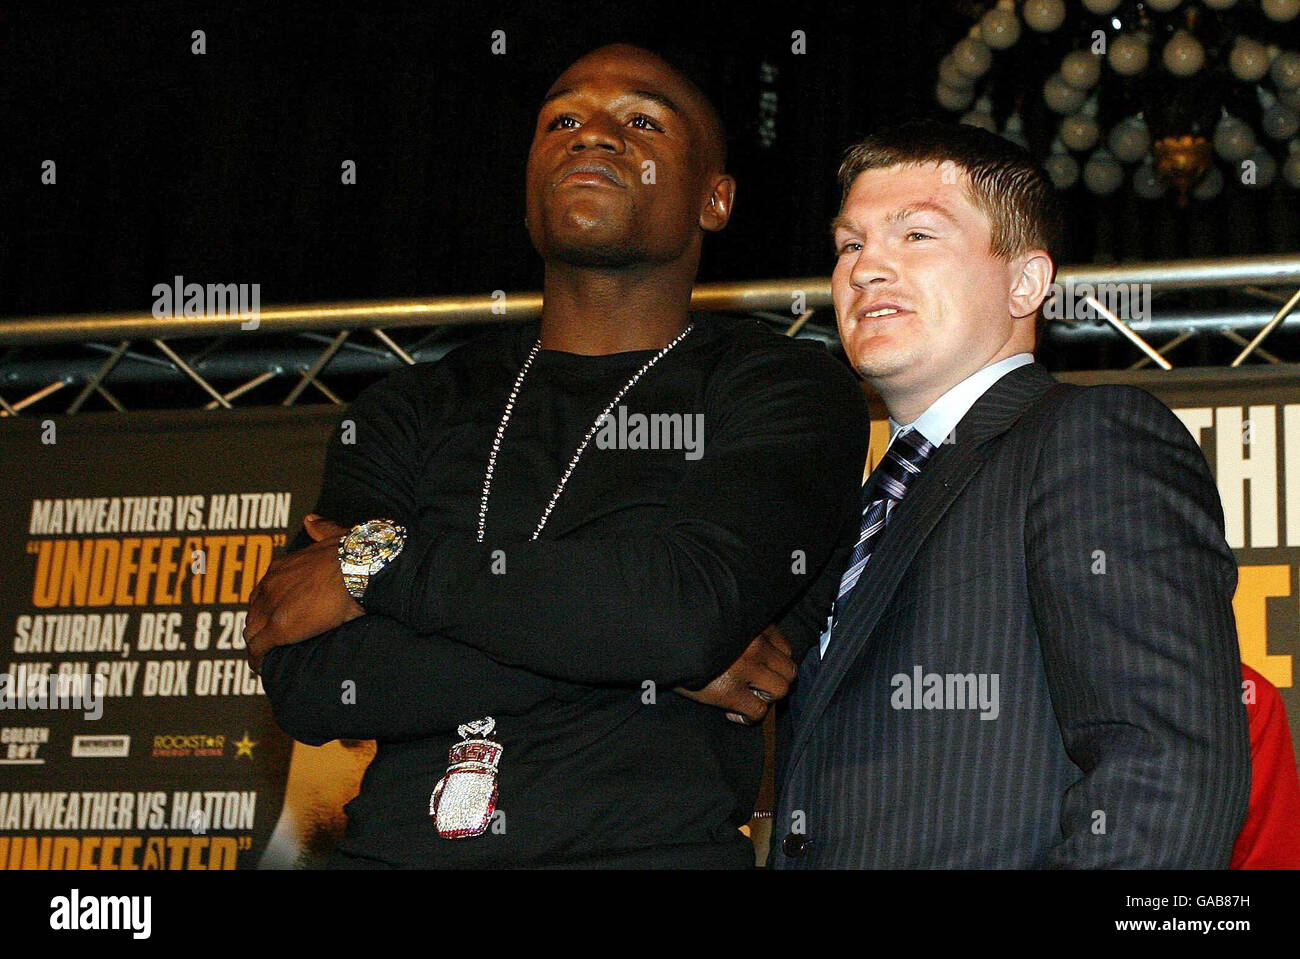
point(871, 266)
point(600, 133)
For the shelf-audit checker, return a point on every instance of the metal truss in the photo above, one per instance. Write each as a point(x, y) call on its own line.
point(167, 363)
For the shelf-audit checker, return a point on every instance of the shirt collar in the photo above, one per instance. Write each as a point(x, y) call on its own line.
point(937, 422)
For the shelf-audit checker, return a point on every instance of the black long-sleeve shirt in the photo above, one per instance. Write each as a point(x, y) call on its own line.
point(655, 570)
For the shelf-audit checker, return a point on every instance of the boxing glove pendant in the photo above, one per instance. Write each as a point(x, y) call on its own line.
point(464, 799)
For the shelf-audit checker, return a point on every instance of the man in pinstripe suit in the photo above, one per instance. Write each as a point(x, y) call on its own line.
point(1031, 659)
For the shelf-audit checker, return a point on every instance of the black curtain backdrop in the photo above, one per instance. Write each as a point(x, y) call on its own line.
point(226, 167)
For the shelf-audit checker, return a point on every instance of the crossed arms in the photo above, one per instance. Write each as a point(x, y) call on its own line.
point(689, 597)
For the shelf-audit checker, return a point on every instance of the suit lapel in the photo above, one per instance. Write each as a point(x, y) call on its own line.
point(951, 467)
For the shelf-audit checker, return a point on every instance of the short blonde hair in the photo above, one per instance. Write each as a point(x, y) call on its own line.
point(1006, 183)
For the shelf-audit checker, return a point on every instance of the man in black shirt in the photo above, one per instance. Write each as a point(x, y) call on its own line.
point(568, 575)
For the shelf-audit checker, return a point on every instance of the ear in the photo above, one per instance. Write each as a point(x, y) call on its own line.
point(717, 207)
point(1031, 281)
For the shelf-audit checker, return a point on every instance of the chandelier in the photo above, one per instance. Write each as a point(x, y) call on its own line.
point(1188, 94)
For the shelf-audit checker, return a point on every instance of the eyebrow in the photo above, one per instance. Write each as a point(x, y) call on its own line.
point(842, 222)
point(925, 206)
point(650, 95)
point(658, 98)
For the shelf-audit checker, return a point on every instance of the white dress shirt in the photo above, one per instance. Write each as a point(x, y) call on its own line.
point(941, 418)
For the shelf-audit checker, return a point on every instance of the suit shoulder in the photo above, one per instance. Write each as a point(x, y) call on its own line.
point(1097, 408)
point(1124, 431)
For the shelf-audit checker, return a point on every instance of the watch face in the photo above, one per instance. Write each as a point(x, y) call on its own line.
point(366, 551)
point(373, 545)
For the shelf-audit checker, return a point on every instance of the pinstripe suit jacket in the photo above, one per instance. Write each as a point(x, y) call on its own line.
point(1070, 544)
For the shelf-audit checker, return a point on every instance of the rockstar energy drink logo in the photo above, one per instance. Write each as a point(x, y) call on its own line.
point(188, 745)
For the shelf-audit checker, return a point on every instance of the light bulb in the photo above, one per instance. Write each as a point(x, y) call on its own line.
point(1128, 55)
point(1249, 59)
point(1102, 175)
point(1233, 139)
point(1280, 11)
point(1183, 54)
point(1044, 15)
point(953, 98)
point(950, 76)
point(1286, 70)
point(1081, 69)
point(1000, 28)
point(1129, 140)
point(1279, 122)
point(1060, 96)
point(1014, 131)
point(1064, 170)
point(1079, 132)
point(972, 57)
point(1147, 182)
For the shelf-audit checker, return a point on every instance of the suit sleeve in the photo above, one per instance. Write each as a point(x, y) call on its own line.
point(785, 438)
point(1131, 584)
point(373, 677)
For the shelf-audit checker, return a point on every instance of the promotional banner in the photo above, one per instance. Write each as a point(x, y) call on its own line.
point(133, 734)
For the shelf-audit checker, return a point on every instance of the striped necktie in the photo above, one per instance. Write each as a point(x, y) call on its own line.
point(901, 465)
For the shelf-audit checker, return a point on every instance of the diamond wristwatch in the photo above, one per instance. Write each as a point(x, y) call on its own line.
point(368, 548)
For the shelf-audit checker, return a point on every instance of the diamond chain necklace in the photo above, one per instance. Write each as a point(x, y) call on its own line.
point(564, 479)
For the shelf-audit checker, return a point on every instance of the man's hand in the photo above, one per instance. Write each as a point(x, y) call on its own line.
point(301, 596)
point(760, 677)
